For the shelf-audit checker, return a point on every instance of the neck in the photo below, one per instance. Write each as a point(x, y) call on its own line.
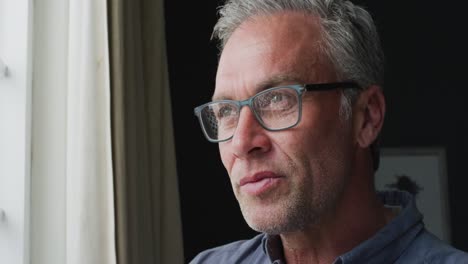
point(358, 215)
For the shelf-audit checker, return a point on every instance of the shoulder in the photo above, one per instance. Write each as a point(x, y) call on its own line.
point(431, 249)
point(247, 251)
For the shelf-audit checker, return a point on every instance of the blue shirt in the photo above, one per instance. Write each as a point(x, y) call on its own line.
point(403, 240)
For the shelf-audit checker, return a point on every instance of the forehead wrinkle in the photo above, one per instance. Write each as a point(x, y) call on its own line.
point(277, 80)
point(236, 76)
point(305, 64)
point(301, 62)
point(229, 89)
point(290, 77)
point(296, 71)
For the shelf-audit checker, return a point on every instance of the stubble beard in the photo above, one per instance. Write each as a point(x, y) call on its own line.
point(298, 210)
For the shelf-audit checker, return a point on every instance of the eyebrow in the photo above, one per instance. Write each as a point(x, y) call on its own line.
point(273, 81)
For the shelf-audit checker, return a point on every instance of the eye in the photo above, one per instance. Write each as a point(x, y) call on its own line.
point(225, 111)
point(278, 99)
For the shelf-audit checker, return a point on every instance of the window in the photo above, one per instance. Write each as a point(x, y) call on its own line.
point(15, 123)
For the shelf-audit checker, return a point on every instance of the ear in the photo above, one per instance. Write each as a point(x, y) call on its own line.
point(370, 115)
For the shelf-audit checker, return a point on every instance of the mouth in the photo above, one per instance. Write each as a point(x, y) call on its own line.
point(260, 183)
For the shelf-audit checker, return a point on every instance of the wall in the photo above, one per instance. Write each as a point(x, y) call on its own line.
point(426, 64)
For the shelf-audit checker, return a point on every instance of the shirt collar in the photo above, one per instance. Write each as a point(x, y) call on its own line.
point(273, 248)
point(385, 246)
point(390, 242)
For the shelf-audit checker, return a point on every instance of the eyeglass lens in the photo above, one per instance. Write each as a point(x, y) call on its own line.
point(275, 109)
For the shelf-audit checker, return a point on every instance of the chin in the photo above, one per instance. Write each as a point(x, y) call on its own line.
point(273, 227)
point(272, 222)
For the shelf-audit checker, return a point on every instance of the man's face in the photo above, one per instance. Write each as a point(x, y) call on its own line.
point(291, 179)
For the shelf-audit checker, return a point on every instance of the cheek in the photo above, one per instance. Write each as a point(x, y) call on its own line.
point(226, 157)
point(292, 151)
point(316, 145)
point(299, 141)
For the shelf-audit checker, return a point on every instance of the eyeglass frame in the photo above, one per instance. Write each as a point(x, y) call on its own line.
point(299, 88)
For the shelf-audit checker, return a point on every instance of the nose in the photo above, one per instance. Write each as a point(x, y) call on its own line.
point(250, 138)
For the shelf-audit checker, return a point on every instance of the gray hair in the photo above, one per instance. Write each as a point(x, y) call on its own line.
point(351, 41)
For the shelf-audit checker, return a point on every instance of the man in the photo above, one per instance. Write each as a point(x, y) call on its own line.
point(301, 154)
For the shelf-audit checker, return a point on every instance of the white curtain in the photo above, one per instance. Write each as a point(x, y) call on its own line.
point(89, 186)
point(72, 208)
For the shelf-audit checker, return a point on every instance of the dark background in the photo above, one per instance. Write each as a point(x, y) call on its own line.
point(425, 91)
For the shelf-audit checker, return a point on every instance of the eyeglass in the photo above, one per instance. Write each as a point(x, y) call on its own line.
point(276, 109)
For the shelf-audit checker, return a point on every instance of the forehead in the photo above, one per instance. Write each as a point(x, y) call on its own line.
point(271, 50)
